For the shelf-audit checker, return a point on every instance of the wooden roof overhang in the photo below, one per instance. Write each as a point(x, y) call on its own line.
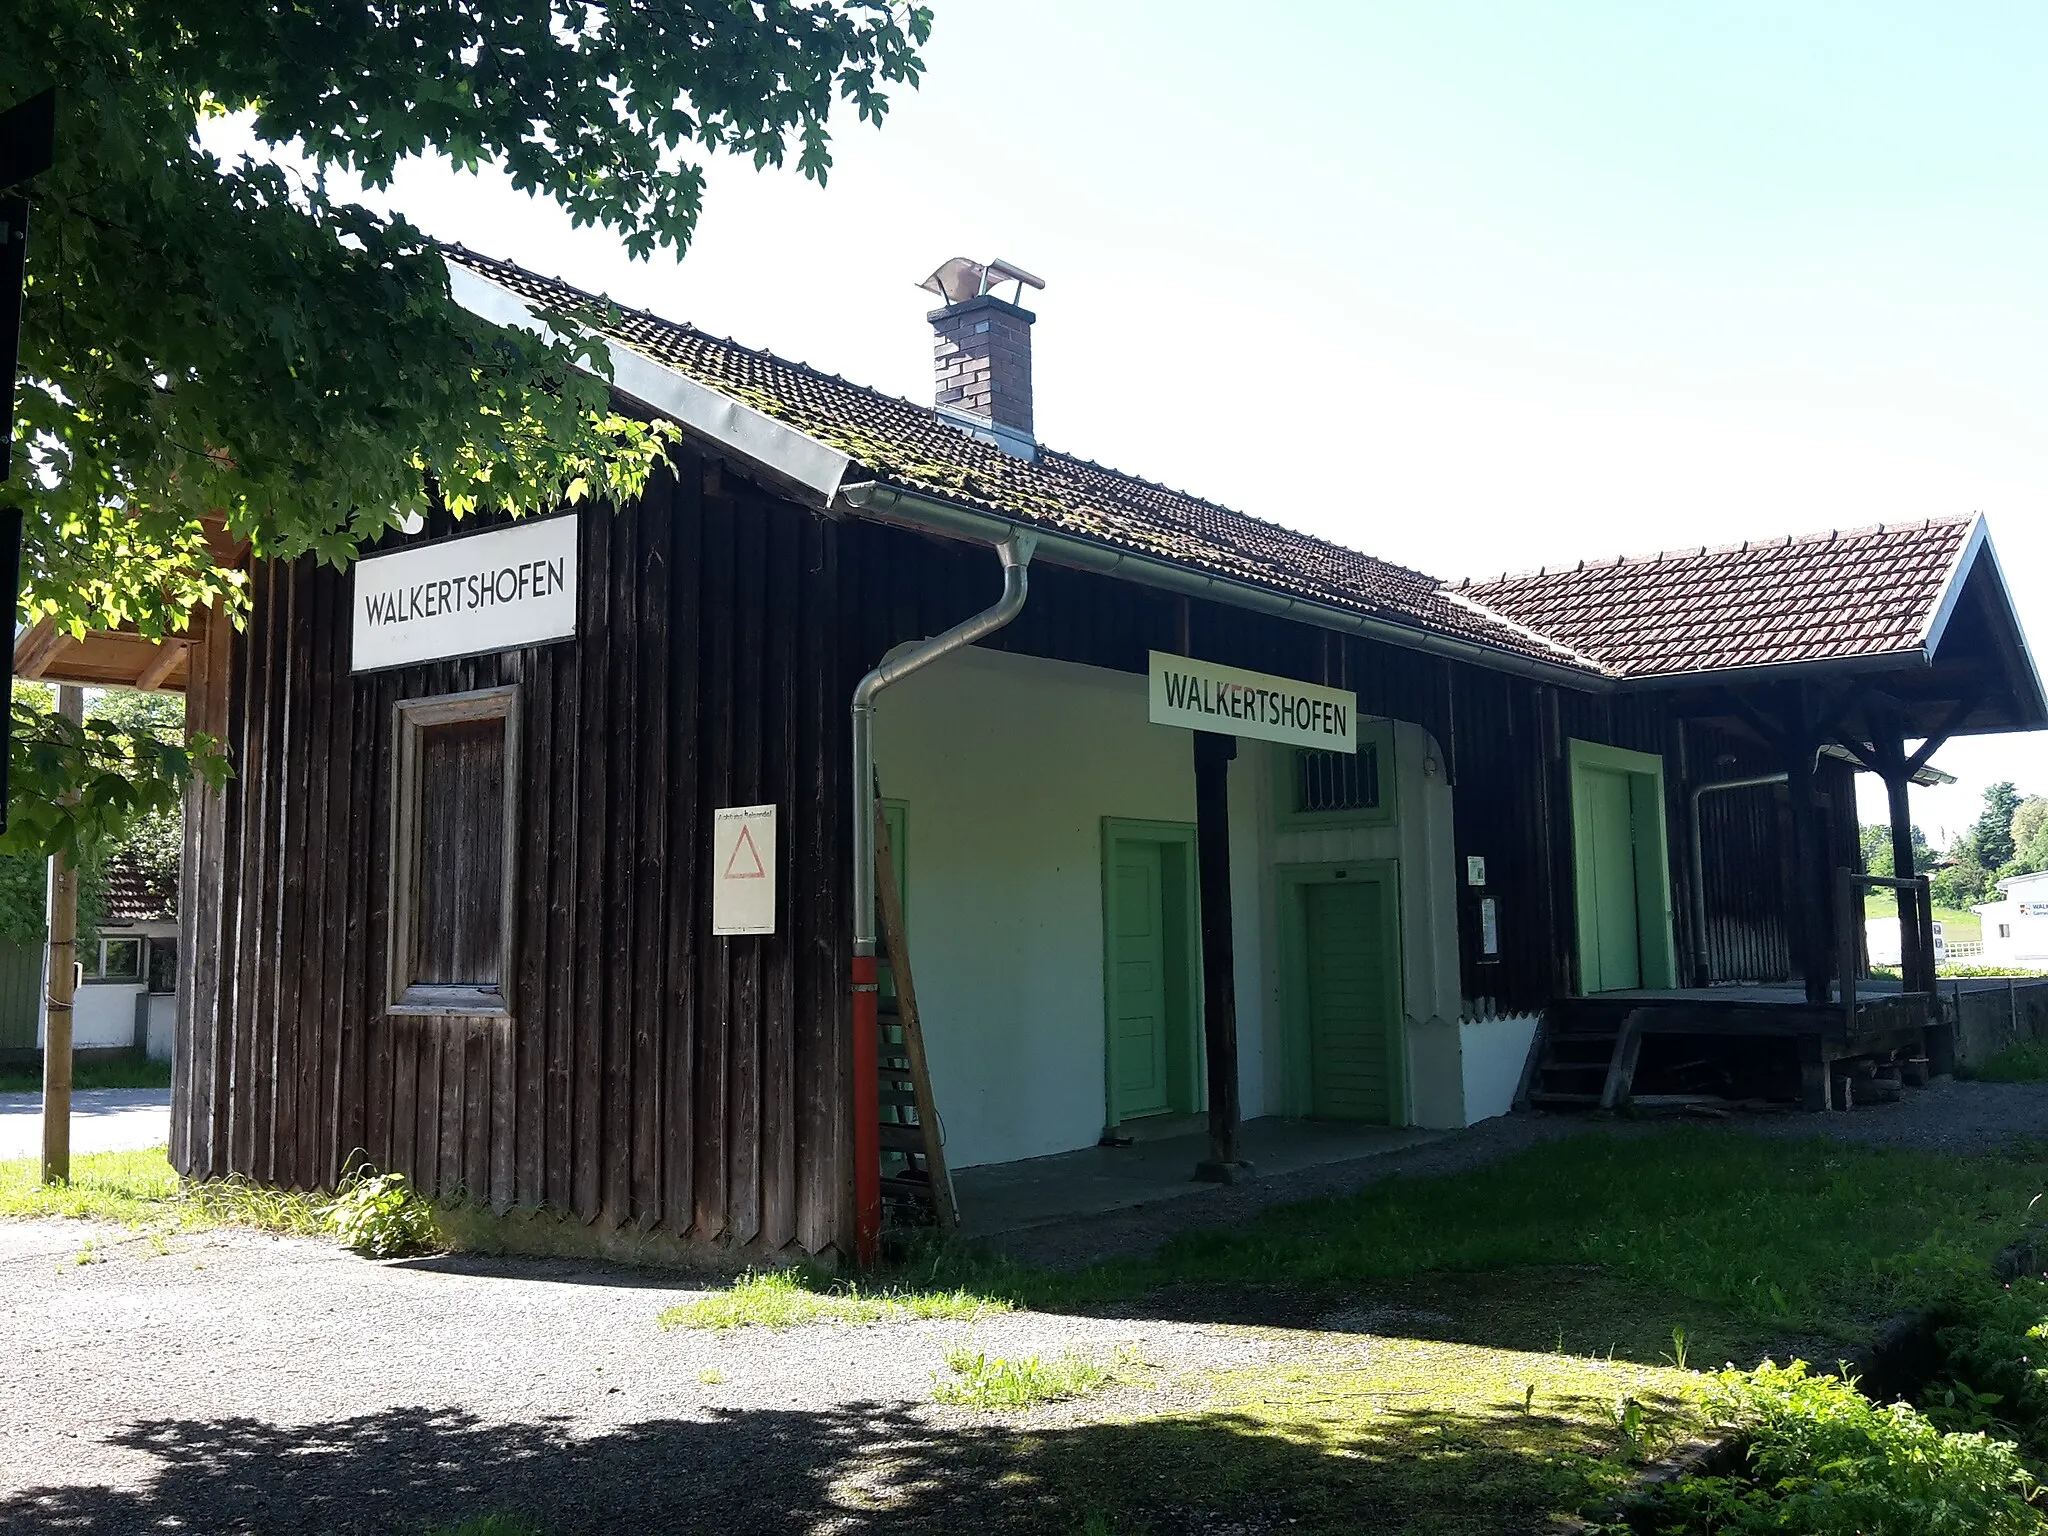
point(119, 657)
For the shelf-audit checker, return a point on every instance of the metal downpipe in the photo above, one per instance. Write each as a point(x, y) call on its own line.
point(1015, 554)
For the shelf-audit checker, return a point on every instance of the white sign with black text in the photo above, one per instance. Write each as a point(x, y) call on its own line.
point(743, 869)
point(1203, 696)
point(484, 592)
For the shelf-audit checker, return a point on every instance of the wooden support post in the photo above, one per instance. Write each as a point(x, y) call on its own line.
point(1845, 946)
point(59, 983)
point(1219, 970)
point(1810, 868)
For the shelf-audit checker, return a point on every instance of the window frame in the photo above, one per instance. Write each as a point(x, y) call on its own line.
point(410, 719)
point(1376, 733)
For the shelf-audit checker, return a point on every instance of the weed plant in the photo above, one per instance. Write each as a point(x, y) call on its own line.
point(979, 1381)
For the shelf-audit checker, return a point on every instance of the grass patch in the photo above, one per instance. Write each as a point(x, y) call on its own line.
point(1958, 925)
point(789, 1298)
point(2026, 1062)
point(120, 1072)
point(1799, 1236)
point(979, 1381)
point(141, 1189)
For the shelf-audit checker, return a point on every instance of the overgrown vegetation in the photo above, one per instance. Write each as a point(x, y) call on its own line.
point(1825, 1460)
point(2026, 1062)
point(140, 1189)
point(786, 1298)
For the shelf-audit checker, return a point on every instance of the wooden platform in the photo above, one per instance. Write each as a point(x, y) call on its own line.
point(1588, 1055)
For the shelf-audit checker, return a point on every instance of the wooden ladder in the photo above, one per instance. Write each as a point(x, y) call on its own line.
point(917, 1189)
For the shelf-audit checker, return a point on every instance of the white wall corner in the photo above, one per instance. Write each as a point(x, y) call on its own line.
point(1436, 1088)
point(1492, 1052)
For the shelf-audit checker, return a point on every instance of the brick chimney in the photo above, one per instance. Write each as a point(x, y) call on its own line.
point(982, 361)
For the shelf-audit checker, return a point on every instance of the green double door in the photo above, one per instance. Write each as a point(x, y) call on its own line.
point(1153, 1048)
point(1351, 998)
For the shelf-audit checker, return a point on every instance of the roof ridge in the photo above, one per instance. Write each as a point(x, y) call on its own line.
point(1696, 552)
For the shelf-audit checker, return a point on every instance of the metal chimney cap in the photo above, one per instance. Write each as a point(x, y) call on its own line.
point(960, 279)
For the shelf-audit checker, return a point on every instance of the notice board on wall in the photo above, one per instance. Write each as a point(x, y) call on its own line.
point(743, 870)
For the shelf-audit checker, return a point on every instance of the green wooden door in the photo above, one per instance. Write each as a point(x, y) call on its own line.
point(1139, 1006)
point(1607, 821)
point(1350, 959)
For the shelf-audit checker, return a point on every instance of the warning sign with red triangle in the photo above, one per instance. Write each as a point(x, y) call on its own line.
point(745, 862)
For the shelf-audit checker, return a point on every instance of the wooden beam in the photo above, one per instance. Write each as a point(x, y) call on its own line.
point(1933, 744)
point(1219, 972)
point(168, 654)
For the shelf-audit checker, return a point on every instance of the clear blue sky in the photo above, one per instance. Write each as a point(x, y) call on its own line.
point(1471, 287)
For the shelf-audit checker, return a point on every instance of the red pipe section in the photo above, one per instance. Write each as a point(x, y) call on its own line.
point(867, 1114)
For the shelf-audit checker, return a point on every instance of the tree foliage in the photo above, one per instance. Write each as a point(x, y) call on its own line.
point(230, 344)
point(1877, 850)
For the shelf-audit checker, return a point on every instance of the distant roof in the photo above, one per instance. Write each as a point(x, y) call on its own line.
point(134, 895)
point(1861, 593)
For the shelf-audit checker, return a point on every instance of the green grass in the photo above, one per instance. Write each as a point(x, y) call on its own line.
point(1959, 925)
point(140, 1189)
point(1809, 1236)
point(981, 1382)
point(787, 1298)
point(120, 1072)
point(2026, 1062)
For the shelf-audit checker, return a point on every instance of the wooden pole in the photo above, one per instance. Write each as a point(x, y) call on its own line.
point(1219, 961)
point(60, 975)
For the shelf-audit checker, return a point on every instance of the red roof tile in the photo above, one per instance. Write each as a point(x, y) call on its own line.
point(1863, 592)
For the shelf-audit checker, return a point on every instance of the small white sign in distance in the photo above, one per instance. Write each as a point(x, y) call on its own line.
point(465, 596)
point(1204, 696)
point(743, 869)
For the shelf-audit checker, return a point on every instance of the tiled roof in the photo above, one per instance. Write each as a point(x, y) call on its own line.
point(134, 895)
point(914, 447)
point(1863, 592)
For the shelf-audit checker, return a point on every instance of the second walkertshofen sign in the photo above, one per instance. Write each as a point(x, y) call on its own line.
point(1203, 696)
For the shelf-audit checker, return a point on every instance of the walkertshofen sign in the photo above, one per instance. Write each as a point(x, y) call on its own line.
point(463, 597)
point(1202, 696)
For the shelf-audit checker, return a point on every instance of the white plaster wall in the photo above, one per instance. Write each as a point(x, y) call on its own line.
point(1420, 842)
point(102, 1015)
point(1008, 766)
point(1492, 1053)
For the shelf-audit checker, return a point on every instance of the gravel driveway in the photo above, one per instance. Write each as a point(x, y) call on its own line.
point(236, 1382)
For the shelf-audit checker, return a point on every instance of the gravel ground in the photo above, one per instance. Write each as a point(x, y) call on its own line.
point(235, 1382)
point(240, 1382)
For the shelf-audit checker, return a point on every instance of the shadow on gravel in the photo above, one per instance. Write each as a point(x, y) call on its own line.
point(867, 1468)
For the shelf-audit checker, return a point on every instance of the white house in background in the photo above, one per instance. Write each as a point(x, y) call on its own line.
point(2016, 925)
point(128, 977)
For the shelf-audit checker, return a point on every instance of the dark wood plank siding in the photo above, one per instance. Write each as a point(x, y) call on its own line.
point(648, 1073)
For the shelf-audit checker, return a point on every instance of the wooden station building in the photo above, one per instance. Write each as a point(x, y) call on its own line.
point(539, 879)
